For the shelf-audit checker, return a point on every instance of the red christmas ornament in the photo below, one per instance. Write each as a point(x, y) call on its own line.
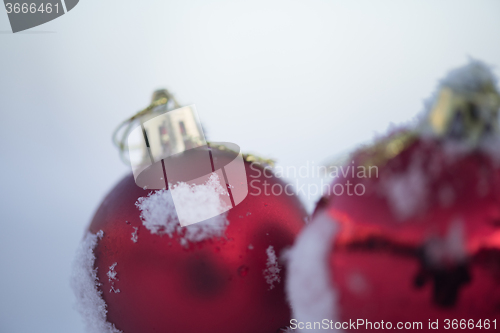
point(410, 232)
point(139, 271)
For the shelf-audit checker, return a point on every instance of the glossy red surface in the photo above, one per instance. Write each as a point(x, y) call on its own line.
point(378, 265)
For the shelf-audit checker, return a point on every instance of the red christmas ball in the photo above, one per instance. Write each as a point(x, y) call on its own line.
point(139, 271)
point(409, 235)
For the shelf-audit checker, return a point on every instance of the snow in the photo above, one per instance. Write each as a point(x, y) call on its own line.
point(158, 212)
point(308, 285)
point(85, 285)
point(195, 203)
point(112, 278)
point(407, 192)
point(272, 272)
point(159, 216)
point(134, 237)
point(112, 273)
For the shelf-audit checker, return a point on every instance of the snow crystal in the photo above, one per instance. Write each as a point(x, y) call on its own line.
point(308, 285)
point(134, 235)
point(159, 216)
point(85, 285)
point(112, 273)
point(112, 278)
point(272, 272)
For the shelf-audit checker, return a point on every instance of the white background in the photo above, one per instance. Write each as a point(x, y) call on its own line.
point(294, 80)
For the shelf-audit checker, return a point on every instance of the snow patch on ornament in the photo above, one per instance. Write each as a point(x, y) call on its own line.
point(159, 216)
point(272, 272)
point(85, 284)
point(406, 192)
point(195, 203)
point(308, 282)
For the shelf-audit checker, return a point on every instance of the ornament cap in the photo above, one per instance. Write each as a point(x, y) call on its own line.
point(466, 105)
